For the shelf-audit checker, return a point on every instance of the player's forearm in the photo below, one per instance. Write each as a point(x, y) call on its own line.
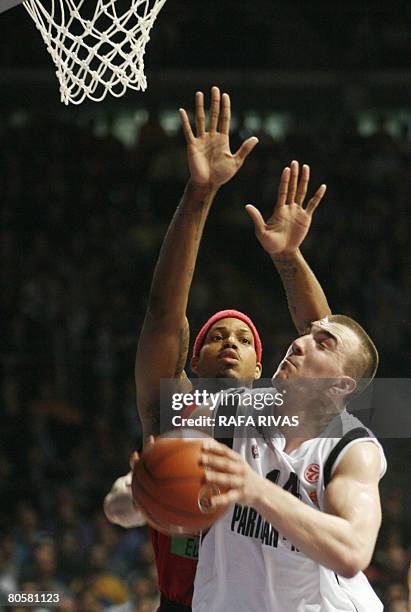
point(305, 296)
point(175, 266)
point(327, 539)
point(163, 343)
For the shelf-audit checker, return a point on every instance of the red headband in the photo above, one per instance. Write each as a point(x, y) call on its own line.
point(228, 314)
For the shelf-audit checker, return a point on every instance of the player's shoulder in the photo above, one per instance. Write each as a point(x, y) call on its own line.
point(363, 456)
point(352, 423)
point(346, 425)
point(350, 433)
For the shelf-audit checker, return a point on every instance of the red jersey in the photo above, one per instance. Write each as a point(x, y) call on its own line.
point(176, 560)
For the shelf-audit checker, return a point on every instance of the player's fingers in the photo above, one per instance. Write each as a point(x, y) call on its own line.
point(257, 219)
point(225, 118)
point(212, 446)
point(283, 187)
point(149, 440)
point(231, 481)
point(221, 464)
point(214, 109)
point(217, 501)
point(292, 187)
point(316, 199)
point(200, 114)
point(246, 148)
point(185, 122)
point(303, 185)
point(134, 457)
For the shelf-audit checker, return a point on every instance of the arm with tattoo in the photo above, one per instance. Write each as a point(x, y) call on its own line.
point(305, 296)
point(163, 343)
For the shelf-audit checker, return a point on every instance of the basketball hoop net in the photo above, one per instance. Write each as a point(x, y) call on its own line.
point(96, 52)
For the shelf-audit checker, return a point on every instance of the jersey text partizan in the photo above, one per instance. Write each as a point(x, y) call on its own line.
point(245, 565)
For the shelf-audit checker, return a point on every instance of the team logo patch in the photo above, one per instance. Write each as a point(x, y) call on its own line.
point(254, 451)
point(313, 496)
point(312, 473)
point(204, 497)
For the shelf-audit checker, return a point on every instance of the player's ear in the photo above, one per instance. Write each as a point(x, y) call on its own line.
point(194, 364)
point(258, 370)
point(343, 386)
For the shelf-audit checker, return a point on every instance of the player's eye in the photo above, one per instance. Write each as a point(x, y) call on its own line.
point(245, 341)
point(216, 337)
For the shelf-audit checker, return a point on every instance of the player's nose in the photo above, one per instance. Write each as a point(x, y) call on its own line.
point(230, 341)
point(298, 346)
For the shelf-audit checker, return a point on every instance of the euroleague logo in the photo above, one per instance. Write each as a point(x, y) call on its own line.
point(312, 473)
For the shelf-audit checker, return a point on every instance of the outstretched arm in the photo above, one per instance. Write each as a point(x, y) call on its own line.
point(163, 343)
point(342, 537)
point(281, 236)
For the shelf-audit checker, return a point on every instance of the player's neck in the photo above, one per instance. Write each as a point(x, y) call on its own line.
point(313, 418)
point(291, 444)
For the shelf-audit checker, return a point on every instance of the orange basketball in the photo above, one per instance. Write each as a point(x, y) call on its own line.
point(169, 487)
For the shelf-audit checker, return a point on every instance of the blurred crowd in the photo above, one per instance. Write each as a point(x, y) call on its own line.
point(82, 220)
point(269, 35)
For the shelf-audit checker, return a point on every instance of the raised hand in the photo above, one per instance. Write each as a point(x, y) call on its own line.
point(209, 157)
point(287, 227)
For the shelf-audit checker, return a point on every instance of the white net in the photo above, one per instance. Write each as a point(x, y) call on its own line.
point(97, 46)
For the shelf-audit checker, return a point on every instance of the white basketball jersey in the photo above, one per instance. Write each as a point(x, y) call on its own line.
point(245, 565)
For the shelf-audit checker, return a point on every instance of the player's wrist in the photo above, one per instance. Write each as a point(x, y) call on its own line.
point(259, 492)
point(285, 256)
point(201, 189)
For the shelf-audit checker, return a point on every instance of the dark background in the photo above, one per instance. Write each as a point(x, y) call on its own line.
point(86, 194)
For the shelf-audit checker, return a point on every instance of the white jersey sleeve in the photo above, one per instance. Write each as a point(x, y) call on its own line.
point(119, 507)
